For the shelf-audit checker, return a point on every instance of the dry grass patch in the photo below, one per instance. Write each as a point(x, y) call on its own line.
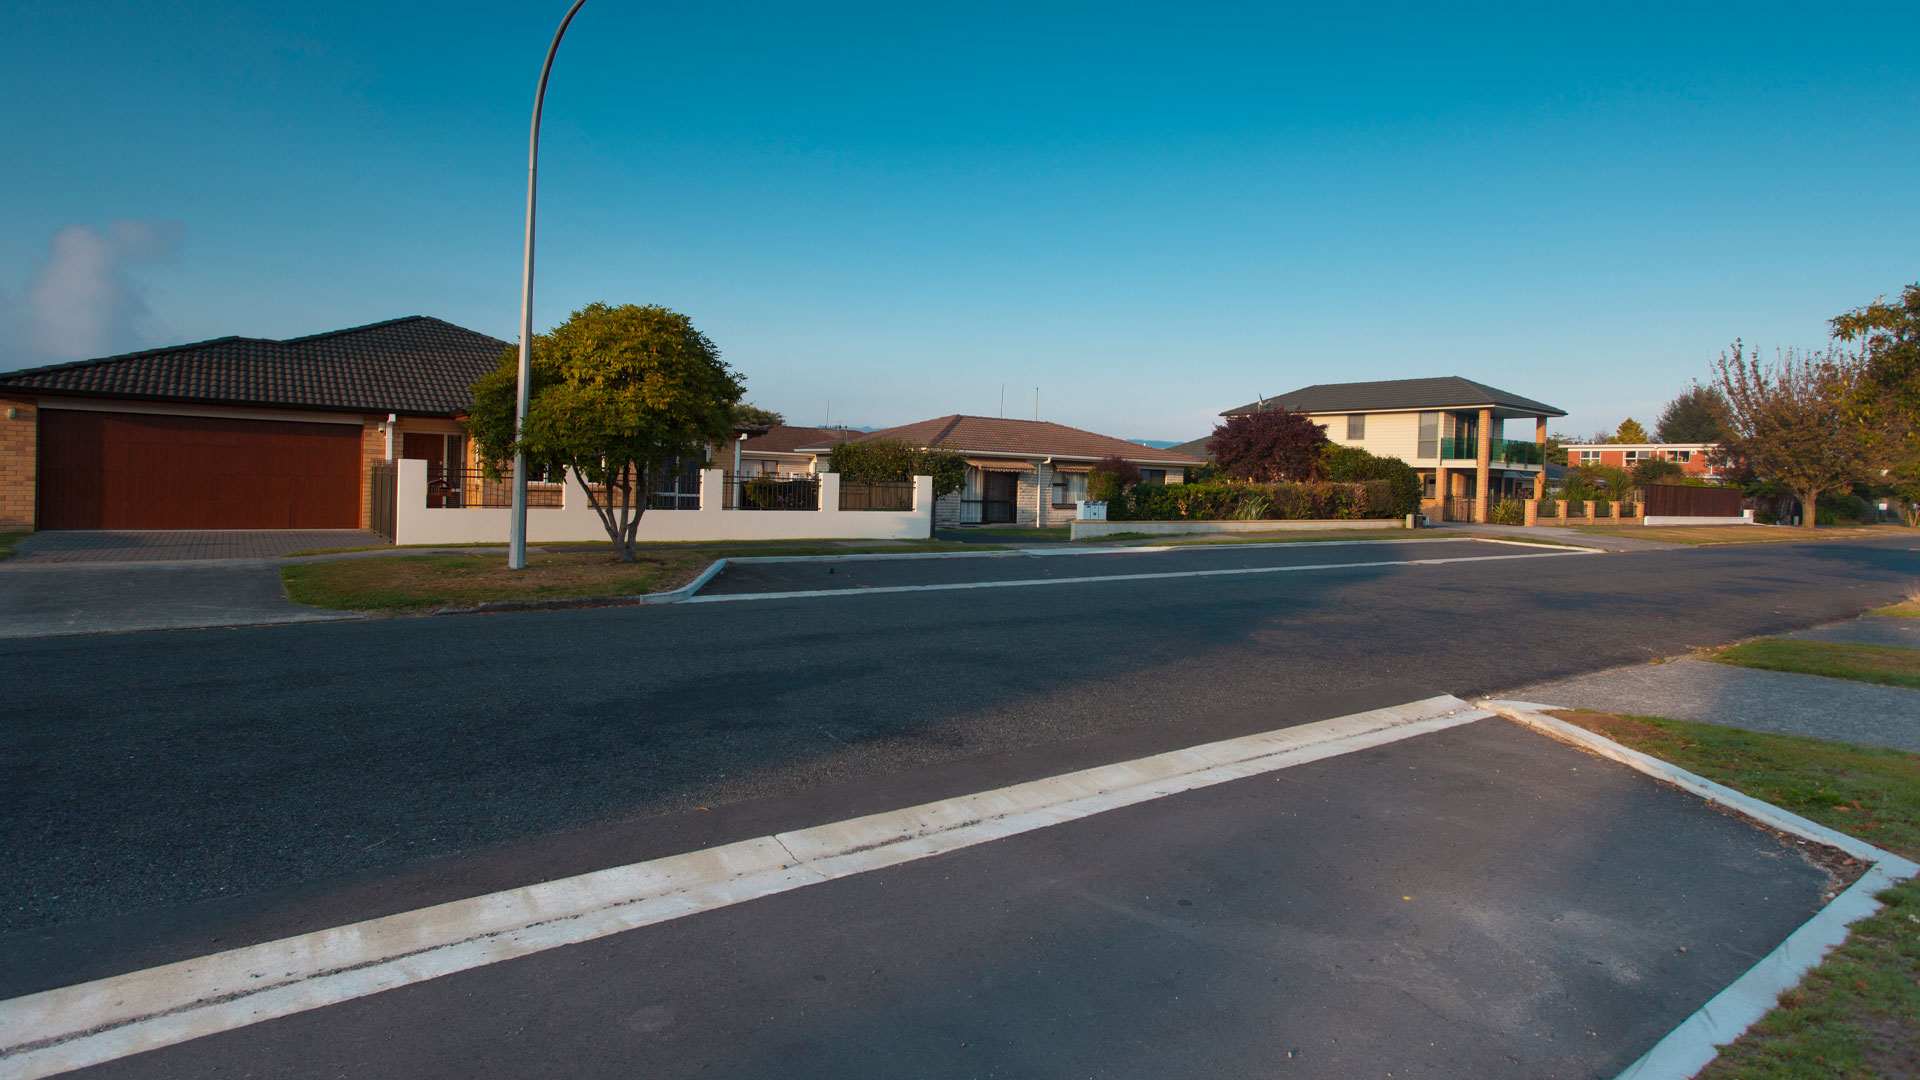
point(1907, 609)
point(411, 583)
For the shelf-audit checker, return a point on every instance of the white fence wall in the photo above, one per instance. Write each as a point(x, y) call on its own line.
point(575, 522)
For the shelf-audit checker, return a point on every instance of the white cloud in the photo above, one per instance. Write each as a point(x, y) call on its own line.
point(83, 301)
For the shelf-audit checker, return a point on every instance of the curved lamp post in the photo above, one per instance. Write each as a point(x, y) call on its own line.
point(517, 522)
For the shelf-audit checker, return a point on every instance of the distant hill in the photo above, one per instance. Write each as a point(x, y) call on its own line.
point(1157, 444)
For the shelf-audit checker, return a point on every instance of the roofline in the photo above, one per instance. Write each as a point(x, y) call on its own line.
point(1639, 445)
point(1025, 455)
point(1548, 411)
point(243, 403)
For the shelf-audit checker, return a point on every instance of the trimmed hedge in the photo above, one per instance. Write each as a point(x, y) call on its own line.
point(1350, 464)
point(1228, 501)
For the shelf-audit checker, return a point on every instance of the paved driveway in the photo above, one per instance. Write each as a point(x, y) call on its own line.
point(181, 545)
point(98, 598)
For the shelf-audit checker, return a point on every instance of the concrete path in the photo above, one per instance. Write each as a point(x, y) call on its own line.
point(1871, 630)
point(180, 545)
point(1775, 701)
point(1603, 541)
point(48, 601)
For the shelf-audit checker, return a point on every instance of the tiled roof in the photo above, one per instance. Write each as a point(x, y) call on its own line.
point(1195, 449)
point(416, 365)
point(994, 436)
point(1447, 392)
point(785, 439)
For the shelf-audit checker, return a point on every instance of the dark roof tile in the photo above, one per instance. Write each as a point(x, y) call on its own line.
point(1447, 392)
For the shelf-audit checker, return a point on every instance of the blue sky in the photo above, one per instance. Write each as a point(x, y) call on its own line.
point(1149, 213)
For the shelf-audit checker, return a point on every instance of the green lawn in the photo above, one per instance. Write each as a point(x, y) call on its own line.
point(1056, 532)
point(1699, 535)
point(1887, 665)
point(1857, 1015)
point(1281, 537)
point(8, 539)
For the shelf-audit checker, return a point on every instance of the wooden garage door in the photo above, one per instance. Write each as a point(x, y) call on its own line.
point(101, 470)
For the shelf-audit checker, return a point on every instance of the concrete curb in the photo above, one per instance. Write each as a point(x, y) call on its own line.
point(1695, 1043)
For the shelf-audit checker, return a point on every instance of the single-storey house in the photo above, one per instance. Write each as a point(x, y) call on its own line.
point(235, 433)
point(1011, 464)
point(775, 450)
point(1694, 459)
point(1450, 429)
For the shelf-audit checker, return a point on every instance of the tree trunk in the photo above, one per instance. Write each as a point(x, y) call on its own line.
point(1809, 500)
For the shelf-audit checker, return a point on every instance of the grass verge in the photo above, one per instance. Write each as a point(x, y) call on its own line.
point(1328, 536)
point(1888, 665)
point(1702, 535)
point(1056, 532)
point(1857, 1015)
point(412, 583)
point(8, 539)
point(1907, 609)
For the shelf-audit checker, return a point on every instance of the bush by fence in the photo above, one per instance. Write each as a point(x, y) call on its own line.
point(1228, 501)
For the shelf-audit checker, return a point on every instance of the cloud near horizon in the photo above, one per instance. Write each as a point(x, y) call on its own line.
point(83, 302)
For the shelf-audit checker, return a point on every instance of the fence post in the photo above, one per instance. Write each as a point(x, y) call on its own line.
point(1533, 512)
point(713, 484)
point(830, 492)
point(923, 501)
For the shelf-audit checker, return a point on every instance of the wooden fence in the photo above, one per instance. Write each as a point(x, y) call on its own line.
point(1676, 500)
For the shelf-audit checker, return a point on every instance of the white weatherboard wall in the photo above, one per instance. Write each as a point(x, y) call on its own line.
point(575, 522)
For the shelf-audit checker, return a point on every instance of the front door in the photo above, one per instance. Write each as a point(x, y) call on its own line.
point(997, 497)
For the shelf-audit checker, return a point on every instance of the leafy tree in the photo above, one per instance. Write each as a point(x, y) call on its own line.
point(1557, 448)
point(753, 416)
point(1693, 417)
point(1889, 339)
point(1270, 445)
point(1110, 476)
point(1630, 431)
point(1794, 421)
point(618, 393)
point(1655, 471)
point(886, 461)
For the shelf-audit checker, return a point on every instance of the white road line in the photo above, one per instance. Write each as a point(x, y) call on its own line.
point(77, 1026)
point(1695, 1043)
point(725, 598)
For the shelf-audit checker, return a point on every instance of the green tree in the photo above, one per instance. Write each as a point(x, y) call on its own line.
point(1630, 431)
point(618, 393)
point(1795, 421)
point(752, 416)
point(1693, 417)
point(1656, 470)
point(885, 461)
point(1557, 447)
point(1269, 445)
point(1889, 340)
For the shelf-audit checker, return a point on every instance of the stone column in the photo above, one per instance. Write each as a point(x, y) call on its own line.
point(1482, 507)
point(1533, 512)
point(1540, 440)
point(1441, 478)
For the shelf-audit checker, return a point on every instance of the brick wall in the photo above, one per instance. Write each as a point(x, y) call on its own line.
point(19, 461)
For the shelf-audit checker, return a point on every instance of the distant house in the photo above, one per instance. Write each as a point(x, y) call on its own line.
point(1694, 459)
point(1021, 472)
point(235, 433)
point(775, 451)
point(1450, 429)
point(1195, 449)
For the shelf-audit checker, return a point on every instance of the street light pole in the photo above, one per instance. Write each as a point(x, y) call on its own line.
point(517, 521)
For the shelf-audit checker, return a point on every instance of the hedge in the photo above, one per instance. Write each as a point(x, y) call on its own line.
point(1224, 500)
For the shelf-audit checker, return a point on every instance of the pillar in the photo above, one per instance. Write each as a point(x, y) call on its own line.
point(1540, 440)
point(1441, 478)
point(1483, 470)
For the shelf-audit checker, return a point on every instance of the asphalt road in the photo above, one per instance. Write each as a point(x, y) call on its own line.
point(167, 794)
point(144, 771)
point(1498, 916)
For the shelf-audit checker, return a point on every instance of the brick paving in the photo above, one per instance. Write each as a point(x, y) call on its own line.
point(181, 545)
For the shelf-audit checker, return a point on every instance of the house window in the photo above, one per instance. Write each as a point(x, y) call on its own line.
point(1357, 426)
point(1589, 455)
point(1429, 436)
point(1682, 455)
point(1153, 476)
point(1069, 488)
point(1633, 456)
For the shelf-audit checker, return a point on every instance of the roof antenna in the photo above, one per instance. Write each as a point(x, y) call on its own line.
point(1036, 404)
point(1003, 401)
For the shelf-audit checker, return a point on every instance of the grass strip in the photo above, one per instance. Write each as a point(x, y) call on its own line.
point(1319, 537)
point(1856, 1015)
point(1705, 535)
point(1887, 665)
point(413, 583)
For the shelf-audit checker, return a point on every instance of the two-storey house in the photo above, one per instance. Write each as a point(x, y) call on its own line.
point(1451, 430)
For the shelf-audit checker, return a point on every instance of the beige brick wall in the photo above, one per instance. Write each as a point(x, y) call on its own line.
point(19, 460)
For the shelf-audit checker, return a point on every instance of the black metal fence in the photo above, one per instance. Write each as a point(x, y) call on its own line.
point(772, 492)
point(1677, 500)
point(882, 496)
point(383, 494)
point(457, 485)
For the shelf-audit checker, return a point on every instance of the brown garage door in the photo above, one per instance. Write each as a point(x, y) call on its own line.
point(101, 470)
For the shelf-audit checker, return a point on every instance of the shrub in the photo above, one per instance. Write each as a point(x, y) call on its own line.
point(1508, 512)
point(1227, 501)
point(883, 461)
point(1576, 508)
point(1349, 464)
point(1600, 507)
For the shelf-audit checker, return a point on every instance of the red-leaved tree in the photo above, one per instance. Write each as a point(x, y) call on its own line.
point(1269, 446)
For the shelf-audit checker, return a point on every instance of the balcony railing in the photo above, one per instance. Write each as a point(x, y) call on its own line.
point(1505, 451)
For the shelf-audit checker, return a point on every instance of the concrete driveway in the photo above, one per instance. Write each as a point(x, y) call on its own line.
point(181, 545)
point(101, 598)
